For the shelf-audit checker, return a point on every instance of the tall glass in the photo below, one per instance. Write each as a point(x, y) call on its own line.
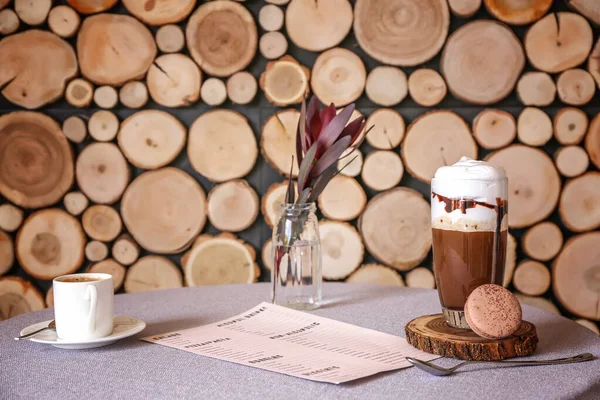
point(470, 223)
point(296, 275)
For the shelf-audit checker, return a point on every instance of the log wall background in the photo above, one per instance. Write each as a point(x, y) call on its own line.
point(16, 296)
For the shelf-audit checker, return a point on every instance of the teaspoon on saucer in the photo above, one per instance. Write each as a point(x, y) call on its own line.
point(51, 326)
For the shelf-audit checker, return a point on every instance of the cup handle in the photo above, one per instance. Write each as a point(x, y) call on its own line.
point(92, 296)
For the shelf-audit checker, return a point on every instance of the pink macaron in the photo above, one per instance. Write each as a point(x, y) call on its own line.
point(493, 312)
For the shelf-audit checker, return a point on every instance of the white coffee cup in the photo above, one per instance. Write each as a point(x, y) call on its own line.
point(83, 306)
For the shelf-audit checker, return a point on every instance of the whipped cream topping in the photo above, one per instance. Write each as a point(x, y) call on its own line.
point(467, 168)
point(468, 179)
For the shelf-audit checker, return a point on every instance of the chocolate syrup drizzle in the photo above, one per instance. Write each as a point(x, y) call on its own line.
point(463, 205)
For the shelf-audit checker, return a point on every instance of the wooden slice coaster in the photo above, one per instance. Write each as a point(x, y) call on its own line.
point(592, 141)
point(220, 260)
point(432, 334)
point(533, 183)
point(427, 87)
point(111, 267)
point(576, 275)
point(50, 243)
point(9, 22)
point(543, 241)
point(341, 248)
point(174, 80)
point(338, 76)
point(579, 203)
point(375, 274)
point(343, 199)
point(386, 86)
point(170, 39)
point(221, 145)
point(18, 296)
point(351, 165)
point(114, 48)
point(464, 8)
point(33, 12)
point(221, 37)
point(79, 93)
point(133, 94)
point(164, 210)
point(272, 45)
point(570, 125)
point(285, 81)
point(91, 6)
point(435, 139)
point(35, 67)
point(102, 172)
point(11, 217)
point(278, 141)
point(36, 162)
point(151, 139)
point(516, 12)
point(401, 32)
point(241, 87)
point(382, 170)
point(160, 12)
point(482, 62)
point(318, 25)
point(575, 87)
point(7, 253)
point(532, 278)
point(558, 42)
point(397, 236)
point(125, 250)
point(64, 21)
point(571, 161)
point(152, 273)
point(536, 89)
point(232, 206)
point(102, 223)
point(534, 127)
point(494, 129)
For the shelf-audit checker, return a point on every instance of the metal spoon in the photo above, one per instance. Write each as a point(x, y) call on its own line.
point(51, 326)
point(439, 371)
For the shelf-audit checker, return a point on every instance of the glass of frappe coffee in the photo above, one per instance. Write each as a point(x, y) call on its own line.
point(469, 218)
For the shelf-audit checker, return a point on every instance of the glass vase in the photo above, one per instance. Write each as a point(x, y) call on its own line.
point(296, 277)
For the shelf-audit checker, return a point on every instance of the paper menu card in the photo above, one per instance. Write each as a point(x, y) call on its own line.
point(295, 343)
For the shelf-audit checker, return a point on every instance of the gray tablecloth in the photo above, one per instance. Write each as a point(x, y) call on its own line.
point(132, 369)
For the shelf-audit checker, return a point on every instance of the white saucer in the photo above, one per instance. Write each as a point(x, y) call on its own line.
point(123, 327)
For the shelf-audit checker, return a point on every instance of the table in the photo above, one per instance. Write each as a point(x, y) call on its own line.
point(132, 369)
